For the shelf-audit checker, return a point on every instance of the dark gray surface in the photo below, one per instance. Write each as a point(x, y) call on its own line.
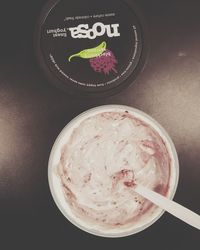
point(32, 113)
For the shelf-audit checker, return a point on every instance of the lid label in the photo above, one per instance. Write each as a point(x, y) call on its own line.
point(93, 48)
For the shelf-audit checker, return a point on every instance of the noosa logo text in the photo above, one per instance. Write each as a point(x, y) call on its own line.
point(98, 29)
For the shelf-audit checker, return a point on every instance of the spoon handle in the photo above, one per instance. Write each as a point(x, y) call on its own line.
point(170, 206)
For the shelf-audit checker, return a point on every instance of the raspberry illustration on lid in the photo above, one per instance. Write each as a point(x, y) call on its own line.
point(105, 63)
point(93, 51)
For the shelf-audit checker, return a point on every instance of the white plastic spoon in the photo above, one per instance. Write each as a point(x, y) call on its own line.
point(170, 206)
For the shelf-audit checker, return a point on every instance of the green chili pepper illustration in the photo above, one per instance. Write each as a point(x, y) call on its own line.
point(90, 53)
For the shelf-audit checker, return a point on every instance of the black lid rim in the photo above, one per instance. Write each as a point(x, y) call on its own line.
point(55, 81)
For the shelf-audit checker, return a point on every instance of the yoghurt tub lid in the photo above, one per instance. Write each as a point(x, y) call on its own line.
point(91, 48)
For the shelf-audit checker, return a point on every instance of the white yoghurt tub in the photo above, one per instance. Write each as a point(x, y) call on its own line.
point(97, 157)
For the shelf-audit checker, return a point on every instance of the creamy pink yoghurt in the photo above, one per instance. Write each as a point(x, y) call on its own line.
point(102, 160)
